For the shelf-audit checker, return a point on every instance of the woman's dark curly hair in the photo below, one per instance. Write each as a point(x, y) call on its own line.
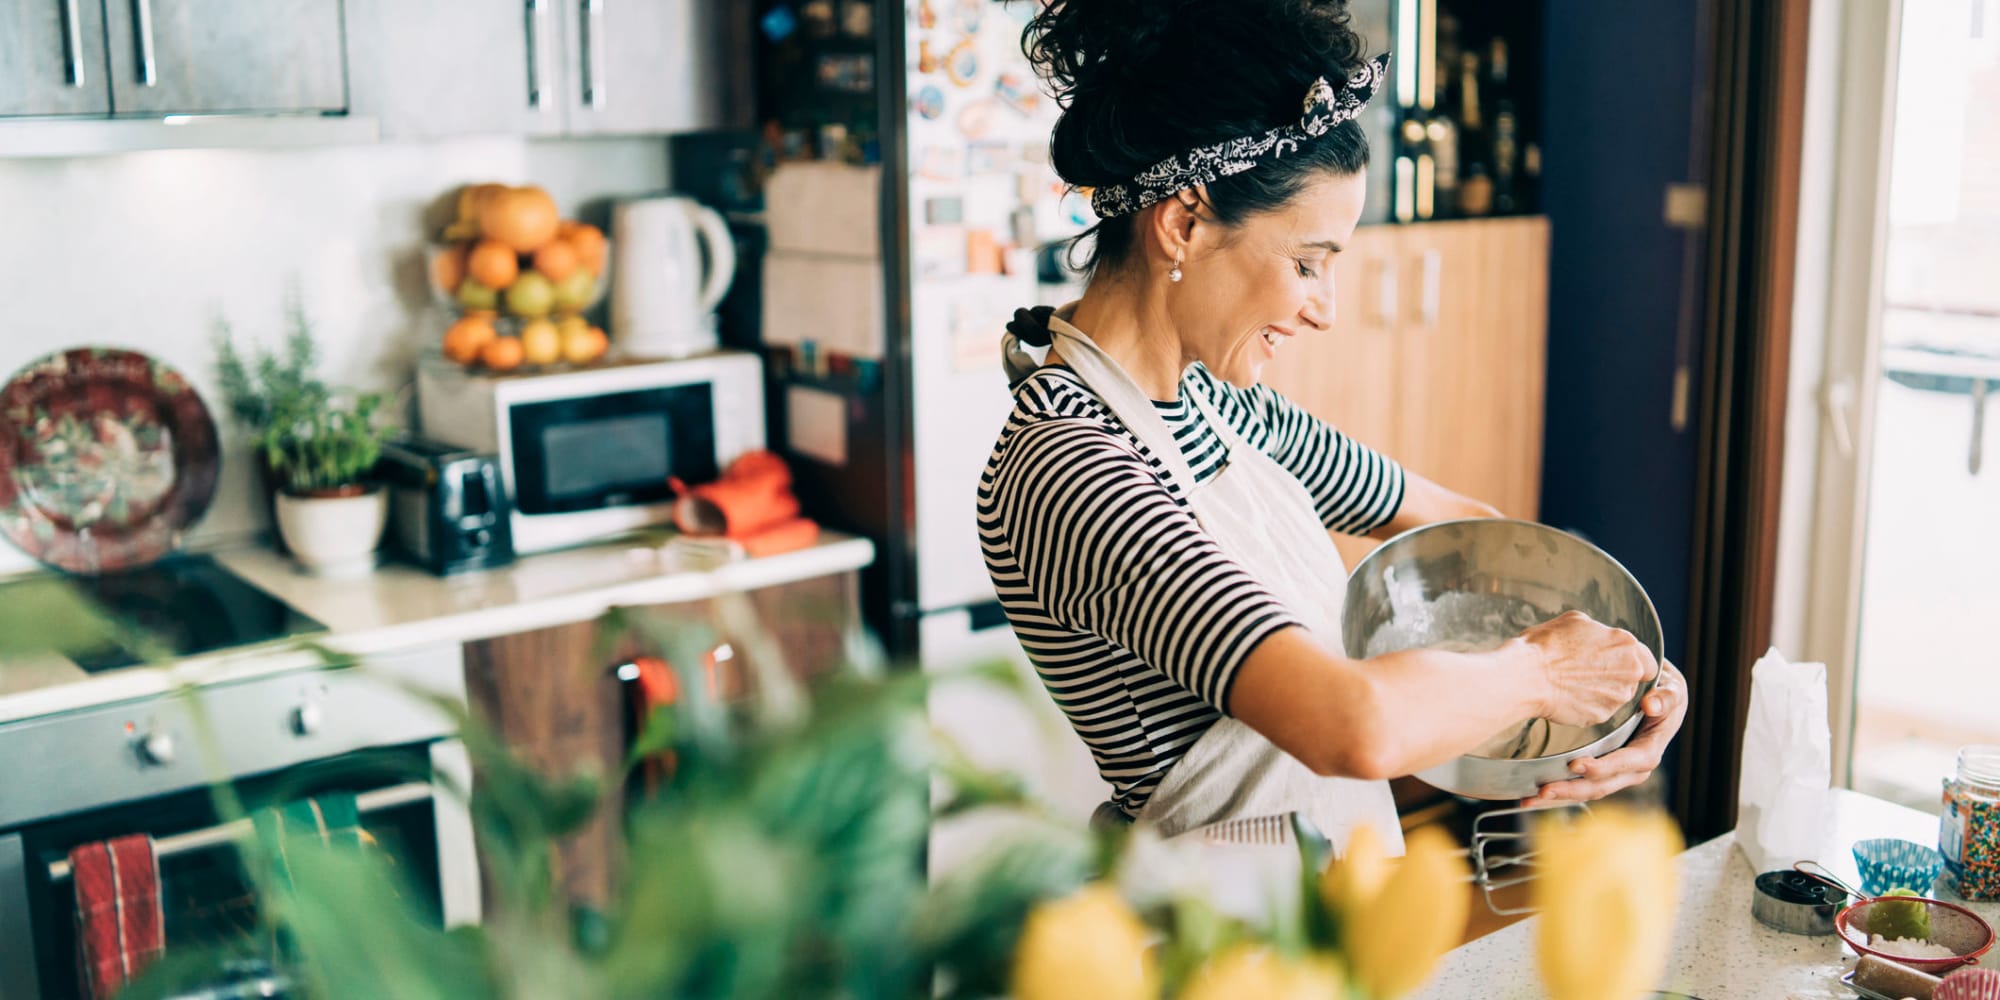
point(1142, 80)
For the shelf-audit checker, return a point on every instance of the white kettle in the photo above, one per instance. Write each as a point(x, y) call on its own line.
point(673, 259)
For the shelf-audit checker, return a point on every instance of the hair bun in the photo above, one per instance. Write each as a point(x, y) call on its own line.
point(1031, 326)
point(1075, 41)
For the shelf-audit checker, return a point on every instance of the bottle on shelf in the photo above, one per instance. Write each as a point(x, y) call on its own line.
point(1505, 148)
point(1441, 130)
point(1473, 187)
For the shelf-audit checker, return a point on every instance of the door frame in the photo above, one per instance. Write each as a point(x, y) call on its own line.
point(1825, 578)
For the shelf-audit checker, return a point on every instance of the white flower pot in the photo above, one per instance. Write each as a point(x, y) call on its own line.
point(334, 536)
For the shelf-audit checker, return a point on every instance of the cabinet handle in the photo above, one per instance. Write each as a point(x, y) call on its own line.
point(149, 70)
point(1385, 293)
point(593, 26)
point(1972, 461)
point(534, 16)
point(73, 38)
point(1432, 287)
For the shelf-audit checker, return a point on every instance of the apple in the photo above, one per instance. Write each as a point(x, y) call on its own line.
point(473, 295)
point(531, 295)
point(540, 343)
point(574, 293)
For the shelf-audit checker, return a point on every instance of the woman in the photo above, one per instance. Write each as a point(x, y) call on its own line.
point(1158, 525)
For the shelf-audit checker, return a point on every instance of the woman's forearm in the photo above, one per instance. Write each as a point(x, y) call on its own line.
point(1388, 716)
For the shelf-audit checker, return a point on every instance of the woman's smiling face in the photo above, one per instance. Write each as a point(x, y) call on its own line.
point(1248, 288)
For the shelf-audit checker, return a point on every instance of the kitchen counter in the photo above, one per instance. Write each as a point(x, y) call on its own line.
point(1720, 952)
point(400, 607)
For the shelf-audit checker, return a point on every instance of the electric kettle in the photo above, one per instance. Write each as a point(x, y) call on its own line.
point(675, 260)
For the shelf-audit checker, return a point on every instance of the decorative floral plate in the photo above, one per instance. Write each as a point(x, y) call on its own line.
point(106, 458)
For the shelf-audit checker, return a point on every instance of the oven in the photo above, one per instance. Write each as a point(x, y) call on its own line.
point(146, 766)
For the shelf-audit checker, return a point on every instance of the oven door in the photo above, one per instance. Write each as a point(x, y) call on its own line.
point(593, 466)
point(406, 807)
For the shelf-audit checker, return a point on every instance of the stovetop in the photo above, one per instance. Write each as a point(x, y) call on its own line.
point(185, 605)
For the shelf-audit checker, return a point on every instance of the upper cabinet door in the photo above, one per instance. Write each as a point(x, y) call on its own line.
point(640, 66)
point(456, 67)
point(52, 58)
point(220, 56)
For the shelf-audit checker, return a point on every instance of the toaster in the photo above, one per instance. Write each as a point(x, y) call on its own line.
point(448, 510)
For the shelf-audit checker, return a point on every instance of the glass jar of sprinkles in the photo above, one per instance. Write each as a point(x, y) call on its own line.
point(1969, 826)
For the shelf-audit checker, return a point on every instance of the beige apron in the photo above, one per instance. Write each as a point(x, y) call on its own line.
point(1262, 517)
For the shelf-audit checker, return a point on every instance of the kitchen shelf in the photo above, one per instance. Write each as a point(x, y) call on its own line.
point(49, 137)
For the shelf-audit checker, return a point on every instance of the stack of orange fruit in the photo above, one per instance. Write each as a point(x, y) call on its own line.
point(522, 277)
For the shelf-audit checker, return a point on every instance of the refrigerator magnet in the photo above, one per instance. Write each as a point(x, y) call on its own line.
point(926, 15)
point(976, 120)
point(970, 14)
point(927, 57)
point(988, 158)
point(939, 252)
point(941, 163)
point(948, 210)
point(961, 64)
point(1017, 90)
point(984, 253)
point(928, 103)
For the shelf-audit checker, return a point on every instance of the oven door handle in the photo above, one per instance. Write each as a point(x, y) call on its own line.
point(223, 833)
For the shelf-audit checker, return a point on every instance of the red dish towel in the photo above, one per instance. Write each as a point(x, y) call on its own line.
point(120, 927)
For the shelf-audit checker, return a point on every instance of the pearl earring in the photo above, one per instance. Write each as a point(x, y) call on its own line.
point(1175, 273)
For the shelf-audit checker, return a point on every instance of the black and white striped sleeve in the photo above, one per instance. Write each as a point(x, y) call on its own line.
point(1355, 489)
point(1108, 550)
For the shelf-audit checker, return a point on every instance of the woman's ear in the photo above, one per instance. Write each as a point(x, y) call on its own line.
point(1169, 231)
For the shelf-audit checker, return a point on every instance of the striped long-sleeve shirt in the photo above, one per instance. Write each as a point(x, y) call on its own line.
point(1134, 618)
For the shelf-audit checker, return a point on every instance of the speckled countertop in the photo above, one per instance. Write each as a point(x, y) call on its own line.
point(1720, 952)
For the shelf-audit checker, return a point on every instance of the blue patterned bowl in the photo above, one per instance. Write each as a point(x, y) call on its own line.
point(1897, 864)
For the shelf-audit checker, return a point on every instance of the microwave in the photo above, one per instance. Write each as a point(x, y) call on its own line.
point(588, 454)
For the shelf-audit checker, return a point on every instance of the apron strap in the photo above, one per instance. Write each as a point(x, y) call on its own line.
point(1124, 397)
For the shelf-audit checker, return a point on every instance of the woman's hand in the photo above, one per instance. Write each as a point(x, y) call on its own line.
point(1665, 707)
point(1591, 670)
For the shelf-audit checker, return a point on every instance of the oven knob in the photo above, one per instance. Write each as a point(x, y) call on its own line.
point(307, 718)
point(157, 747)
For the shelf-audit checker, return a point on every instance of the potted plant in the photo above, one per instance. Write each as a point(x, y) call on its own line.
point(315, 448)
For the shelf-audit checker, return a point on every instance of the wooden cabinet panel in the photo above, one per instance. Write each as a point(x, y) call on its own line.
point(1437, 357)
point(561, 710)
point(52, 59)
point(222, 56)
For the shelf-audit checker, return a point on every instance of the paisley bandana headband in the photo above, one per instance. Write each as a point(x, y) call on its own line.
point(1324, 108)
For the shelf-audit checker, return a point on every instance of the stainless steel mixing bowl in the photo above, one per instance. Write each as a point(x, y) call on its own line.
point(1471, 585)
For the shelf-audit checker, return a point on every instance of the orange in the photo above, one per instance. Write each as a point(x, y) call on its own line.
point(448, 267)
point(472, 197)
point(523, 218)
point(492, 264)
point(502, 354)
point(584, 346)
point(540, 343)
point(464, 339)
point(557, 259)
point(589, 243)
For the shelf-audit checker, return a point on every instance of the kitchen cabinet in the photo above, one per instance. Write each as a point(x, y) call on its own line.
point(557, 707)
point(52, 59)
point(456, 67)
point(1438, 355)
point(547, 67)
point(644, 65)
point(224, 56)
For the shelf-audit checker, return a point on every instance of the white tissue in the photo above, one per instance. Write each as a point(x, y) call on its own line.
point(1784, 807)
